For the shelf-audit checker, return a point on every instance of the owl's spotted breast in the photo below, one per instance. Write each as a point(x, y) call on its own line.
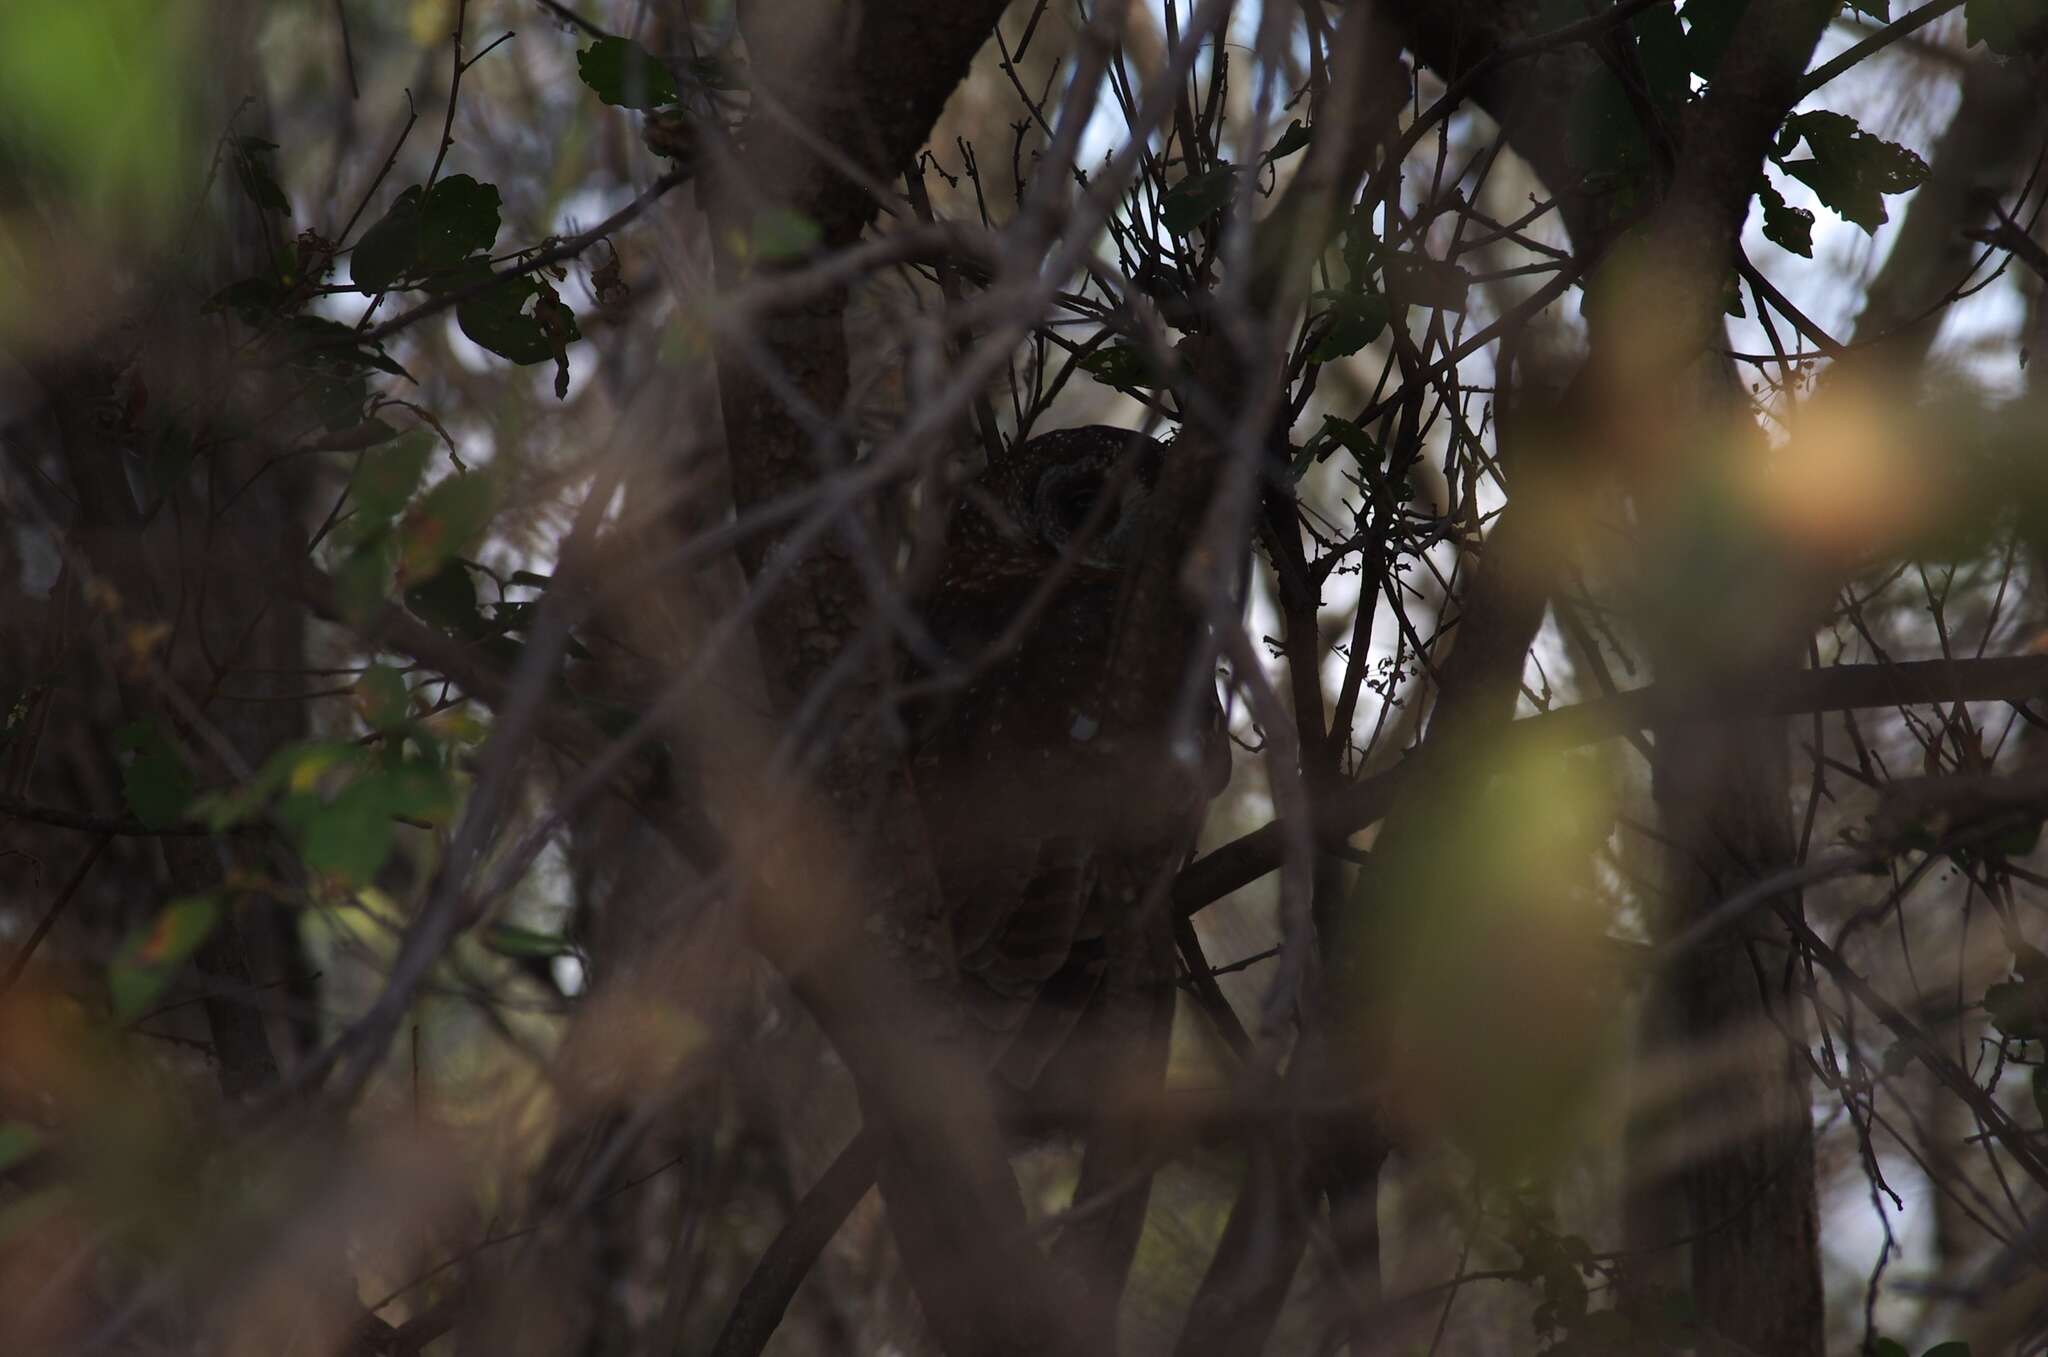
point(1041, 820)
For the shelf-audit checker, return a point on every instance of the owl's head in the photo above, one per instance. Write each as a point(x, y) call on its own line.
point(1049, 487)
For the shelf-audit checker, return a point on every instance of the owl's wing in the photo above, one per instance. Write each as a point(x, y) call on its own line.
point(1018, 882)
point(1007, 778)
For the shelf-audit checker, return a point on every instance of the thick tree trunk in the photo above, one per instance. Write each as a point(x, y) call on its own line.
point(844, 898)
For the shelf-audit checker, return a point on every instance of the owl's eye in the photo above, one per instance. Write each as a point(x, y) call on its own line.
point(1072, 505)
point(1065, 501)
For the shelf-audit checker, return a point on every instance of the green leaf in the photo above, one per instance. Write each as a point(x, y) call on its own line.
point(156, 784)
point(332, 394)
point(253, 171)
point(363, 579)
point(296, 764)
point(1891, 1347)
point(511, 941)
point(1353, 439)
point(150, 958)
point(382, 694)
point(1785, 225)
point(1293, 139)
point(1850, 170)
point(1351, 319)
point(779, 233)
point(625, 74)
point(18, 1140)
point(388, 474)
point(1878, 10)
point(426, 235)
point(329, 366)
point(448, 600)
point(1121, 365)
point(2019, 1008)
point(2001, 25)
point(350, 836)
point(327, 342)
point(445, 523)
point(521, 317)
point(98, 97)
point(1955, 1347)
point(1197, 198)
point(418, 791)
point(1360, 248)
point(255, 300)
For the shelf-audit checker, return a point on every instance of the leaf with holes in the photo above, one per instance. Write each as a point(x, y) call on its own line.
point(1850, 170)
point(1785, 225)
point(521, 318)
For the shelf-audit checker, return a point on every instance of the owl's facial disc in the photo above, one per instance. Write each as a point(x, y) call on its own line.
point(1065, 497)
point(1069, 499)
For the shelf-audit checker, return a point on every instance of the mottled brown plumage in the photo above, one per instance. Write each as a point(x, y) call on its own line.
point(1048, 827)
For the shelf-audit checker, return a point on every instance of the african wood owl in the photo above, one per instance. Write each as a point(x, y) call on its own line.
point(1052, 828)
